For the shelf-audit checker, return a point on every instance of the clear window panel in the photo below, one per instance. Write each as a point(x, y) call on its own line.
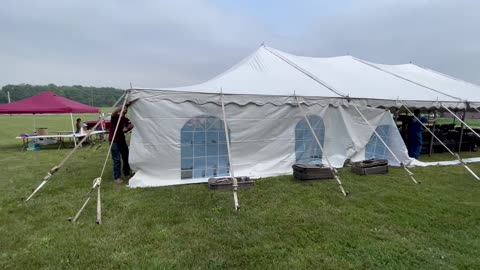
point(212, 172)
point(187, 151)
point(198, 123)
point(199, 173)
point(188, 127)
point(199, 137)
point(199, 163)
point(212, 162)
point(212, 150)
point(223, 161)
point(306, 147)
point(187, 163)
point(203, 148)
point(186, 137)
point(222, 149)
point(375, 148)
point(223, 171)
point(199, 150)
point(212, 137)
point(222, 137)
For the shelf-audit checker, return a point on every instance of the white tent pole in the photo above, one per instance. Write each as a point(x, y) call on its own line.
point(476, 109)
point(385, 144)
point(448, 149)
point(334, 171)
point(459, 119)
point(232, 175)
point(73, 130)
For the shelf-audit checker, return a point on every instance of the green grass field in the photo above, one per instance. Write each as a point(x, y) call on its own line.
point(387, 222)
point(471, 122)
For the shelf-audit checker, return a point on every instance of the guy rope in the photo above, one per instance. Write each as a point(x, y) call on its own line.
point(98, 181)
point(56, 168)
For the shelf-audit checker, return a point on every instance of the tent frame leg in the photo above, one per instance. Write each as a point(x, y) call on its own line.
point(34, 124)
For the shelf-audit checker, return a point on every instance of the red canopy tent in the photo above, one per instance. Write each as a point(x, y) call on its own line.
point(47, 102)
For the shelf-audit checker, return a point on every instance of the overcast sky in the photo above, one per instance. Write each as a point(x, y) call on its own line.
point(155, 43)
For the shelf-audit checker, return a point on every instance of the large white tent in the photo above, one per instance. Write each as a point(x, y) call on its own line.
point(180, 134)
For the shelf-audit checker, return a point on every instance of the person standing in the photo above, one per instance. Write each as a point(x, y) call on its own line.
point(415, 139)
point(78, 126)
point(119, 143)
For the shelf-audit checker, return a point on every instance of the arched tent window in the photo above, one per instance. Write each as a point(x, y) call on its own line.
point(375, 148)
point(306, 147)
point(204, 151)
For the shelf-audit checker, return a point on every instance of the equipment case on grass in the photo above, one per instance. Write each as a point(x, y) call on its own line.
point(311, 172)
point(370, 166)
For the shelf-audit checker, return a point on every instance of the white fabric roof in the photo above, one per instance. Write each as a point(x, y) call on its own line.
point(430, 78)
point(272, 72)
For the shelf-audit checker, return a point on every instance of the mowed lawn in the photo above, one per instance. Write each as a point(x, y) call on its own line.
point(387, 222)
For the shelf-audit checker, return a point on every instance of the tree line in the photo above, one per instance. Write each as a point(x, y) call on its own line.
point(93, 96)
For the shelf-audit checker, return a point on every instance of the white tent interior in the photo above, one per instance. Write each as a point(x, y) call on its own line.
point(180, 137)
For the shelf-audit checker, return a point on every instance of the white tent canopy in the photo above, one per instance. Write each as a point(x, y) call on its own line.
point(273, 72)
point(180, 137)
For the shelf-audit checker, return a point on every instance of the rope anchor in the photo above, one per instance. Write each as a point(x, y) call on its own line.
point(95, 185)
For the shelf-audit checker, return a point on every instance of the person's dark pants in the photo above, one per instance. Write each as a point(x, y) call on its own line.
point(119, 154)
point(415, 142)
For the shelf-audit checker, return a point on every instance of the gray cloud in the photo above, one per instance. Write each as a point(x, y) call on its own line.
point(442, 35)
point(173, 43)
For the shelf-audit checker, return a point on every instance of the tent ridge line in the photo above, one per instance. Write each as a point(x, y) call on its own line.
point(406, 79)
point(305, 72)
point(447, 76)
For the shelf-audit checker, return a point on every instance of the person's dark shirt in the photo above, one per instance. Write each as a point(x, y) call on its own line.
point(120, 136)
point(415, 127)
